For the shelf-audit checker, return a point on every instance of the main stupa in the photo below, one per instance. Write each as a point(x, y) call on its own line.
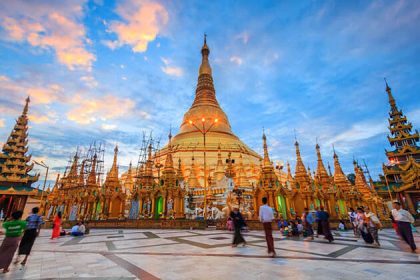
point(221, 144)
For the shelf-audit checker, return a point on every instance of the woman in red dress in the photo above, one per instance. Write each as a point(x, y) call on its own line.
point(56, 226)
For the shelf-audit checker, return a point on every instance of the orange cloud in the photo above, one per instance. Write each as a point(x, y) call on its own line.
point(142, 23)
point(38, 95)
point(86, 111)
point(57, 26)
point(2, 123)
point(35, 118)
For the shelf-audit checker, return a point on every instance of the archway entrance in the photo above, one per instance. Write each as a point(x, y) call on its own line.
point(159, 207)
point(281, 202)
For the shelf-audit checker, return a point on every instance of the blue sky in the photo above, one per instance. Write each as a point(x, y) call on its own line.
point(105, 70)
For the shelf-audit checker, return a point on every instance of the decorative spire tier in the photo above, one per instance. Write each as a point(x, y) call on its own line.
point(14, 163)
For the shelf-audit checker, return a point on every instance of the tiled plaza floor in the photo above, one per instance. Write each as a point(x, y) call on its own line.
point(178, 254)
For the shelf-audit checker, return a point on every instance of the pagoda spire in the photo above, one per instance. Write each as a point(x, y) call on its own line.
point(82, 174)
point(72, 175)
point(205, 93)
point(91, 181)
point(25, 109)
point(301, 175)
point(391, 99)
point(179, 174)
point(266, 161)
point(340, 179)
point(114, 169)
point(112, 182)
point(220, 170)
point(360, 182)
point(192, 178)
point(169, 164)
point(14, 162)
point(321, 175)
point(289, 173)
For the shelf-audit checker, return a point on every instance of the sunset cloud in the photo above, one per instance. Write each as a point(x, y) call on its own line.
point(86, 111)
point(142, 22)
point(18, 91)
point(50, 27)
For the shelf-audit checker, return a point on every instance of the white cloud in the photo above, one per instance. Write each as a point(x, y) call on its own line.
point(108, 126)
point(89, 81)
point(236, 59)
point(142, 22)
point(171, 70)
point(53, 26)
point(244, 37)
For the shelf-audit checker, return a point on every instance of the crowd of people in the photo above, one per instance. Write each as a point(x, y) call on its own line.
point(365, 224)
point(20, 236)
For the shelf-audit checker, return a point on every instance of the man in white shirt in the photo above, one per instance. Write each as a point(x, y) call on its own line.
point(404, 220)
point(266, 217)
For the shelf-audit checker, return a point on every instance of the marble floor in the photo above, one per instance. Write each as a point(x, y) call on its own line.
point(207, 254)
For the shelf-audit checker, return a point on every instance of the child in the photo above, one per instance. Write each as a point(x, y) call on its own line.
point(300, 227)
point(229, 224)
point(14, 230)
point(341, 226)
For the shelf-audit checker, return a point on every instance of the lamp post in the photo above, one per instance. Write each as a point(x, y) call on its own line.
point(203, 130)
point(42, 164)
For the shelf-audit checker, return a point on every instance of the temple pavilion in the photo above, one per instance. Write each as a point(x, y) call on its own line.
point(401, 179)
point(15, 167)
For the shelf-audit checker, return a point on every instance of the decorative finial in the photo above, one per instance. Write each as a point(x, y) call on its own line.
point(294, 133)
point(116, 148)
point(205, 38)
point(25, 109)
point(335, 155)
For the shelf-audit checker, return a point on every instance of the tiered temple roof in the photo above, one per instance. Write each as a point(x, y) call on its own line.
point(14, 162)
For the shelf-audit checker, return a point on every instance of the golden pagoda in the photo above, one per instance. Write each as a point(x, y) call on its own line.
point(205, 114)
point(401, 178)
point(15, 166)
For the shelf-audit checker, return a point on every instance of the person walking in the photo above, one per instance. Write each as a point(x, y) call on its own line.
point(373, 224)
point(404, 220)
point(325, 224)
point(14, 229)
point(266, 217)
point(33, 228)
point(56, 226)
point(352, 219)
point(238, 223)
point(308, 220)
